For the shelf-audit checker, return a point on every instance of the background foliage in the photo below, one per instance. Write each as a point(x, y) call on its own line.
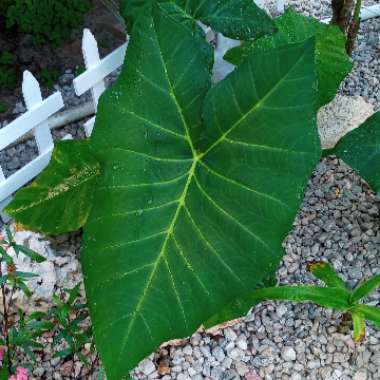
point(48, 21)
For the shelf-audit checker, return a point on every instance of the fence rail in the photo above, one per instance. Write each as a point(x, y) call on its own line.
point(39, 110)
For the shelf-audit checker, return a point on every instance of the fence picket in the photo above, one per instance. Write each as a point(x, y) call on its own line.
point(33, 97)
point(97, 69)
point(36, 120)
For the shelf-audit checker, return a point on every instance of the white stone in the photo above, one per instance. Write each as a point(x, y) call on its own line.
point(230, 334)
point(182, 376)
point(236, 354)
point(341, 116)
point(218, 354)
point(360, 375)
point(288, 354)
point(192, 371)
point(147, 367)
point(242, 344)
point(55, 272)
point(241, 368)
point(222, 68)
point(187, 350)
point(281, 310)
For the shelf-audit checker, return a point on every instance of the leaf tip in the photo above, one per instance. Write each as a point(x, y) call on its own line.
point(312, 266)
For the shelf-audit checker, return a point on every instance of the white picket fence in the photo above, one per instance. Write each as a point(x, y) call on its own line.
point(39, 110)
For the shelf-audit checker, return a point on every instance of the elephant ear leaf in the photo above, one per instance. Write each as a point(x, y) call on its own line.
point(60, 199)
point(188, 221)
point(360, 149)
point(332, 61)
point(239, 19)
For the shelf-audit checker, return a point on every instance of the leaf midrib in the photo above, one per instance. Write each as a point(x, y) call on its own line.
point(181, 201)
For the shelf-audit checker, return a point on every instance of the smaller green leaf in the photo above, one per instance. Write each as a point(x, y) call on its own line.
point(24, 288)
point(336, 298)
point(63, 353)
point(332, 61)
point(366, 288)
point(359, 326)
point(239, 19)
point(360, 150)
point(326, 273)
point(73, 294)
point(60, 199)
point(371, 313)
point(83, 359)
point(4, 373)
point(36, 315)
point(31, 254)
point(4, 255)
point(25, 275)
point(9, 234)
point(30, 353)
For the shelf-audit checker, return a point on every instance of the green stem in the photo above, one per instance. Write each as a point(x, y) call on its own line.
point(342, 10)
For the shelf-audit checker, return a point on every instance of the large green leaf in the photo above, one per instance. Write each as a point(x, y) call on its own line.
point(240, 19)
point(185, 226)
point(361, 150)
point(332, 61)
point(60, 199)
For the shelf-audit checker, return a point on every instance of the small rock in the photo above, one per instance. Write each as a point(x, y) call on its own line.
point(289, 354)
point(360, 375)
point(281, 310)
point(241, 368)
point(147, 367)
point(66, 368)
point(252, 375)
point(218, 354)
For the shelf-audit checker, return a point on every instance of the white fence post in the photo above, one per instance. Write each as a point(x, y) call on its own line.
point(33, 97)
point(35, 120)
point(96, 71)
point(91, 57)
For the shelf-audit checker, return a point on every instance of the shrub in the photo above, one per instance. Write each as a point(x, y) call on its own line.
point(4, 4)
point(7, 72)
point(48, 21)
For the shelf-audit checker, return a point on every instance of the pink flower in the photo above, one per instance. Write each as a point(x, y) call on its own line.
point(2, 352)
point(21, 374)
